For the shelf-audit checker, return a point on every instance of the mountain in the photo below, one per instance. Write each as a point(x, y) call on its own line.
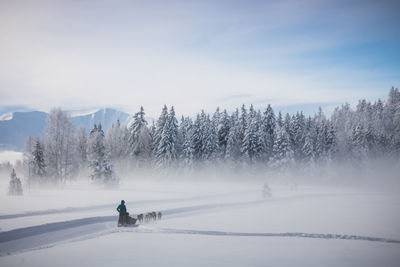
point(16, 127)
point(105, 116)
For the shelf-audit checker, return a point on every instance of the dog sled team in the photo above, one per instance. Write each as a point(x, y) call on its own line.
point(124, 218)
point(150, 216)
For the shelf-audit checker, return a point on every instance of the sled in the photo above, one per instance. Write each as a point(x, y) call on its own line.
point(126, 220)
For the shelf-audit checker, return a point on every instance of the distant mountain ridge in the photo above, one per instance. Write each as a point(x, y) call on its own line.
point(16, 127)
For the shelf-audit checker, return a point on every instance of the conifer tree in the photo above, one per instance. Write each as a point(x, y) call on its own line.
point(166, 152)
point(140, 139)
point(252, 144)
point(223, 132)
point(159, 128)
point(187, 155)
point(210, 141)
point(197, 137)
point(242, 124)
point(268, 126)
point(298, 136)
point(233, 144)
point(38, 163)
point(359, 148)
point(100, 163)
point(308, 152)
point(15, 187)
point(282, 150)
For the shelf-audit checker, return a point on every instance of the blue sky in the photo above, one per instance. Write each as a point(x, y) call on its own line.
point(197, 54)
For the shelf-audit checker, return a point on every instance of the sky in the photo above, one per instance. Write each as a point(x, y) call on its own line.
point(196, 54)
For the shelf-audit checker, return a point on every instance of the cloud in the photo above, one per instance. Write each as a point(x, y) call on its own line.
point(195, 55)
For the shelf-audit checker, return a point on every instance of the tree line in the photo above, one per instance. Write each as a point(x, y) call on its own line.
point(241, 139)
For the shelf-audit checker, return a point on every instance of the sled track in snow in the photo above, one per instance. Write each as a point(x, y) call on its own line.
point(113, 205)
point(289, 234)
point(51, 227)
point(91, 208)
point(58, 226)
point(40, 236)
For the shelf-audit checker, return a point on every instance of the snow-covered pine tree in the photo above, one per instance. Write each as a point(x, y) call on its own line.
point(187, 154)
point(174, 131)
point(392, 122)
point(216, 117)
point(308, 159)
point(370, 141)
point(210, 141)
point(242, 124)
point(166, 153)
point(282, 151)
point(331, 147)
point(96, 153)
point(159, 128)
point(298, 136)
point(223, 132)
point(266, 190)
point(252, 144)
point(197, 137)
point(377, 120)
point(279, 120)
point(288, 125)
point(140, 139)
point(319, 141)
point(15, 187)
point(99, 162)
point(152, 131)
point(359, 148)
point(260, 140)
point(342, 120)
point(233, 144)
point(268, 123)
point(38, 162)
point(28, 158)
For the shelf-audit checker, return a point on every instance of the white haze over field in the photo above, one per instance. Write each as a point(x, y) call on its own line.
point(206, 222)
point(10, 156)
point(261, 202)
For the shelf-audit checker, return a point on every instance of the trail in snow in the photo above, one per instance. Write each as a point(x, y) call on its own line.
point(88, 208)
point(32, 237)
point(100, 207)
point(289, 234)
point(51, 227)
point(172, 200)
point(45, 235)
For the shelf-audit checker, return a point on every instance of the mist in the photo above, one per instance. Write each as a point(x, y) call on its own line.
point(199, 133)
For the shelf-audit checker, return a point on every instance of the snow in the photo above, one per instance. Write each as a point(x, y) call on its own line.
point(79, 113)
point(6, 116)
point(10, 156)
point(203, 224)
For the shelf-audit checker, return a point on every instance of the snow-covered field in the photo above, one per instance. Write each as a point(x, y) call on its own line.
point(203, 224)
point(10, 156)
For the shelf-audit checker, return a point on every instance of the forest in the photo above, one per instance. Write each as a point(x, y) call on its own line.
point(246, 140)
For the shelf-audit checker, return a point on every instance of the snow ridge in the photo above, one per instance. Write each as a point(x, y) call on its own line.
point(51, 227)
point(6, 117)
point(288, 234)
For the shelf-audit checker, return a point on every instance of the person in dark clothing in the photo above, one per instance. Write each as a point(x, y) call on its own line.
point(122, 208)
point(122, 220)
